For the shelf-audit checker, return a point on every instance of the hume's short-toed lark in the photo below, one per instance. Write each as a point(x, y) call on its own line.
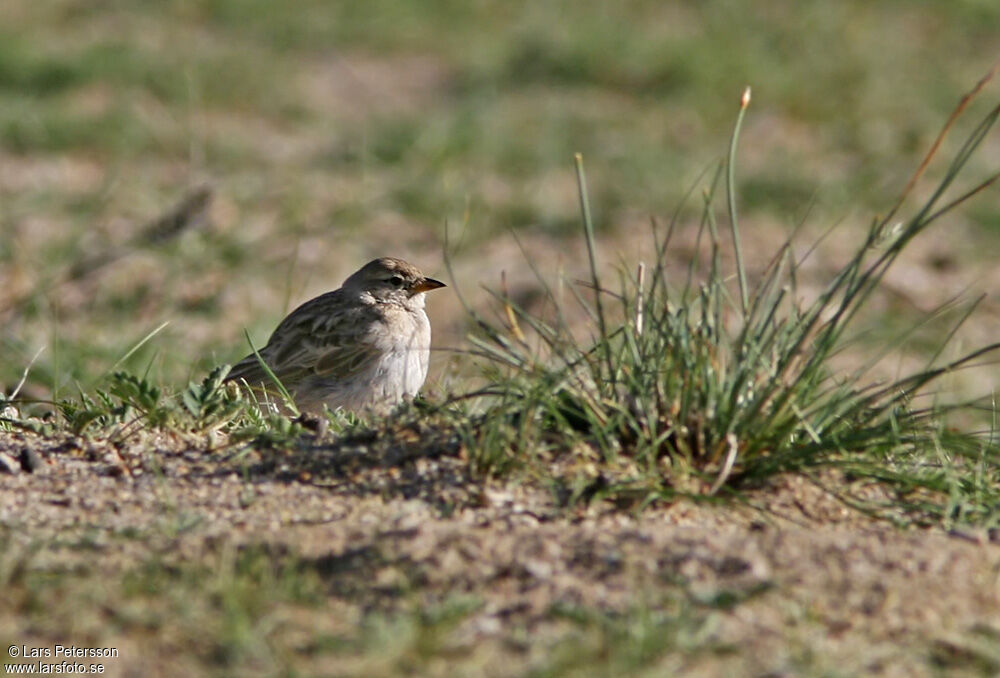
point(363, 347)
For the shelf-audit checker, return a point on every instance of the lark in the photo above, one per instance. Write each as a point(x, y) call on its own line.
point(363, 348)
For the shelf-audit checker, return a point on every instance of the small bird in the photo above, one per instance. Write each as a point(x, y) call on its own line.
point(364, 347)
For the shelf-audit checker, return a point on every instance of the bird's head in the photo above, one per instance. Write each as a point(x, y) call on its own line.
point(388, 279)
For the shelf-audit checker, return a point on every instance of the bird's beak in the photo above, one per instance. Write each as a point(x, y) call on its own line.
point(426, 285)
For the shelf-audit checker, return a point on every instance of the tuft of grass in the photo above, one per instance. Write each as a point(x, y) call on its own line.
point(699, 390)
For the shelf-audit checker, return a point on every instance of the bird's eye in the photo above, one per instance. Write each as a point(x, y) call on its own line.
point(396, 280)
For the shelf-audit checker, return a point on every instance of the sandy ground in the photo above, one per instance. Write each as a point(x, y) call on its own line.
point(791, 583)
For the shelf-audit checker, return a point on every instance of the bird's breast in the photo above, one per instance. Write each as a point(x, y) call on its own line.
point(404, 366)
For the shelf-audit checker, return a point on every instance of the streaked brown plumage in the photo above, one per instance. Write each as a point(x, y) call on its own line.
point(362, 347)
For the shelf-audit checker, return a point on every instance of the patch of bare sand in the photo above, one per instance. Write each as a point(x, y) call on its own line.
point(805, 576)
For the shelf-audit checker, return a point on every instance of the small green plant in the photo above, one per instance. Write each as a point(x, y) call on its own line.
point(98, 410)
point(127, 399)
point(211, 402)
point(701, 389)
point(137, 393)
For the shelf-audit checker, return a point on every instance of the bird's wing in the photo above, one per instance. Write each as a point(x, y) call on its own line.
point(315, 339)
point(334, 357)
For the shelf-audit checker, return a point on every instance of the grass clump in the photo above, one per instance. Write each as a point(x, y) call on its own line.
point(703, 388)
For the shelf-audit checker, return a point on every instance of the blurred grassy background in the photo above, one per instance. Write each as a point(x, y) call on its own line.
point(332, 132)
